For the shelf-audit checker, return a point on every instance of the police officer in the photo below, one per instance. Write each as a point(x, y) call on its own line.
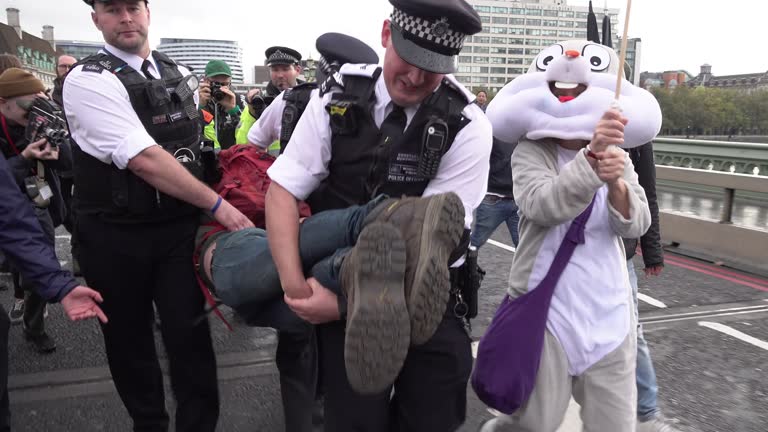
point(296, 355)
point(134, 119)
point(405, 129)
point(284, 69)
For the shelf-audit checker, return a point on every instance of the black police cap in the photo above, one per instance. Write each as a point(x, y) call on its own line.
point(429, 33)
point(282, 55)
point(345, 49)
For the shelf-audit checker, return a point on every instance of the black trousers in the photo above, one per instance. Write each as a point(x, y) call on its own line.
point(133, 266)
point(34, 305)
point(430, 394)
point(5, 411)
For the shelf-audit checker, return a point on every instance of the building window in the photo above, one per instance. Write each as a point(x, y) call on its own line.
point(497, 50)
point(481, 49)
point(485, 19)
point(567, 24)
point(498, 60)
point(498, 80)
point(516, 51)
point(465, 59)
point(516, 31)
point(499, 10)
point(486, 9)
point(498, 70)
point(499, 20)
point(515, 60)
point(565, 33)
point(549, 32)
point(515, 41)
point(549, 23)
point(581, 15)
point(517, 21)
point(479, 80)
point(580, 35)
point(462, 78)
point(515, 71)
point(565, 14)
point(533, 42)
point(532, 51)
point(479, 69)
point(498, 30)
point(533, 12)
point(481, 39)
point(517, 11)
point(464, 69)
point(533, 22)
point(533, 32)
point(479, 59)
point(580, 24)
point(498, 40)
point(486, 29)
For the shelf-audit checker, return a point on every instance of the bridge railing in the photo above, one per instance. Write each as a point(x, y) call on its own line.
point(724, 156)
point(719, 239)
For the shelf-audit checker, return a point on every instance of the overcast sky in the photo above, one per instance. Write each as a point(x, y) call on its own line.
point(676, 34)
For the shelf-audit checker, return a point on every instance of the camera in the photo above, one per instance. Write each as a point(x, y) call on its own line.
point(216, 92)
point(259, 103)
point(46, 121)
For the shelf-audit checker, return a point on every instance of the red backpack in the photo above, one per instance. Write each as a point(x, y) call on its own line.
point(244, 181)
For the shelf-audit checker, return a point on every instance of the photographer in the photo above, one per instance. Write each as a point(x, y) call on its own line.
point(220, 106)
point(34, 163)
point(256, 102)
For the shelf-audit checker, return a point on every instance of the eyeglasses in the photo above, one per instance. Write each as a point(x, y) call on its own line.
point(65, 66)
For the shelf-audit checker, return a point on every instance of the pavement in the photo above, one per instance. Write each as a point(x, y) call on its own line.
point(706, 327)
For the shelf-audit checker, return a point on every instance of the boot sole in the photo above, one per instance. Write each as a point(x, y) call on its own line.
point(378, 324)
point(441, 233)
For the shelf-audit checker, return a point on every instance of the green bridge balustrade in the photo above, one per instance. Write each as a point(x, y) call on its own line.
point(723, 156)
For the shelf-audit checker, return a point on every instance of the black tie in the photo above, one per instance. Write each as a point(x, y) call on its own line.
point(145, 69)
point(393, 126)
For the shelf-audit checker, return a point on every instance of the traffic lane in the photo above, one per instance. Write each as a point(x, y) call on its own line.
point(247, 404)
point(685, 282)
point(710, 381)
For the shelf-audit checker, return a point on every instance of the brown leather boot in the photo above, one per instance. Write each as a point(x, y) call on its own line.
point(378, 326)
point(432, 228)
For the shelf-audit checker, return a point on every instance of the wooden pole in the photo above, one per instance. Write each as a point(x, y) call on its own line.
point(623, 56)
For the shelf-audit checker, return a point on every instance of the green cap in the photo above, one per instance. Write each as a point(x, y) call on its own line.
point(216, 68)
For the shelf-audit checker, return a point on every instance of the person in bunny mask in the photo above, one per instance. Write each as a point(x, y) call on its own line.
point(567, 163)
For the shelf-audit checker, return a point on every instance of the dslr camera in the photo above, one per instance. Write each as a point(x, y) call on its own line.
point(216, 93)
point(45, 120)
point(259, 103)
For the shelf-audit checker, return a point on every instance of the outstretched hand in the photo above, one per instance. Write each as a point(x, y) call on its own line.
point(83, 303)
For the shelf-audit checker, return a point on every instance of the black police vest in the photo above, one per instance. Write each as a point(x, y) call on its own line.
point(363, 166)
point(170, 118)
point(296, 101)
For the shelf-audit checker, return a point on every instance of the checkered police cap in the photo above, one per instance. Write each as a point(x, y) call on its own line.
point(433, 34)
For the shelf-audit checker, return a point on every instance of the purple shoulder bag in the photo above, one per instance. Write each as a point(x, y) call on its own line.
point(510, 351)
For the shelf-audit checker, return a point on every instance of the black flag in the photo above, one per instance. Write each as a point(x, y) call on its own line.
point(592, 33)
point(607, 31)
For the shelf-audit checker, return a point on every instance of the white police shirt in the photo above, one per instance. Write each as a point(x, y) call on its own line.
point(100, 115)
point(268, 127)
point(463, 169)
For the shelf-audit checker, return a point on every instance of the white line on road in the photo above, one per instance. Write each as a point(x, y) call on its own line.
point(475, 344)
point(64, 236)
point(501, 245)
point(63, 263)
point(722, 328)
point(650, 300)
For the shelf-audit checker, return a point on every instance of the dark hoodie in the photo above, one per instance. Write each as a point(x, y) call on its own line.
point(650, 243)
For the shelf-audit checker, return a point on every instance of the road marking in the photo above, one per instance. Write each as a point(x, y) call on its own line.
point(651, 301)
point(64, 236)
point(63, 263)
point(475, 344)
point(718, 269)
point(686, 316)
point(719, 276)
point(501, 245)
point(722, 328)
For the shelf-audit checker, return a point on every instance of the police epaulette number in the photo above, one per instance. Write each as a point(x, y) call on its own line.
point(93, 67)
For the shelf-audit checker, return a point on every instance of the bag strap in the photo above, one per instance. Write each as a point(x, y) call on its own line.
point(573, 238)
point(213, 304)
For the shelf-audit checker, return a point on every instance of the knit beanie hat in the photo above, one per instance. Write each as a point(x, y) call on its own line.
point(18, 82)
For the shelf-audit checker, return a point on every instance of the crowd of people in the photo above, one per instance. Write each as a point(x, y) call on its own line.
point(368, 193)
